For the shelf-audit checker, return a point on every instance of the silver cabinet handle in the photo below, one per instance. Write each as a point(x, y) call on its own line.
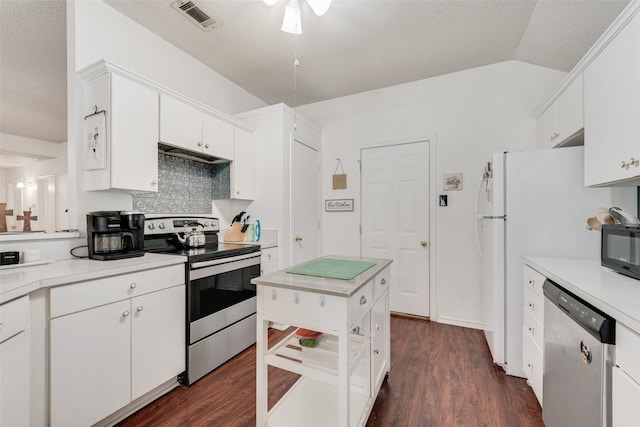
point(531, 329)
point(274, 294)
point(634, 162)
point(363, 300)
point(376, 351)
point(125, 313)
point(199, 144)
point(323, 300)
point(383, 281)
point(624, 165)
point(296, 298)
point(206, 145)
point(139, 308)
point(133, 285)
point(532, 305)
point(298, 238)
point(154, 183)
point(424, 243)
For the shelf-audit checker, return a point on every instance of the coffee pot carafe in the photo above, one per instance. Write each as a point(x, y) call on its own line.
point(115, 234)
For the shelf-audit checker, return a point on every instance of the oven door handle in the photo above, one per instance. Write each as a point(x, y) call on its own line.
point(223, 265)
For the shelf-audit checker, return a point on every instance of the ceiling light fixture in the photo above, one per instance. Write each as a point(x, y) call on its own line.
point(292, 22)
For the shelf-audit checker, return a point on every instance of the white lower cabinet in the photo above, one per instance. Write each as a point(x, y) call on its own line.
point(15, 363)
point(533, 329)
point(269, 260)
point(626, 378)
point(104, 354)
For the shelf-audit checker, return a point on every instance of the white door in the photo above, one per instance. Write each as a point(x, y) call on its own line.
point(395, 220)
point(306, 203)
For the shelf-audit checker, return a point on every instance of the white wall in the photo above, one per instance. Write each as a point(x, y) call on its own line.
point(470, 114)
point(97, 31)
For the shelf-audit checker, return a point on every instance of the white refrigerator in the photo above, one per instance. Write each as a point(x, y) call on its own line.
point(530, 203)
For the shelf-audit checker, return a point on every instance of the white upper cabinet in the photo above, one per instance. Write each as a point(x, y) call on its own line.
point(128, 160)
point(243, 165)
point(562, 119)
point(611, 111)
point(180, 124)
point(183, 125)
point(217, 137)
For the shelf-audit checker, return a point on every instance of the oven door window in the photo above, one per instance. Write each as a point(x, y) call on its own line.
point(216, 292)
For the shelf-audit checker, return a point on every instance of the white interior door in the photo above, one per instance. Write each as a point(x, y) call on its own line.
point(306, 203)
point(395, 220)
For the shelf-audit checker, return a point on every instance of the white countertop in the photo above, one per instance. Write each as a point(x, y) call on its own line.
point(613, 293)
point(323, 285)
point(20, 281)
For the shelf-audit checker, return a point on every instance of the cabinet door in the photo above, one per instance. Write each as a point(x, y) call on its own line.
point(380, 341)
point(134, 135)
point(243, 165)
point(569, 110)
point(15, 380)
point(545, 128)
point(217, 137)
point(180, 124)
point(157, 339)
point(611, 105)
point(90, 364)
point(625, 398)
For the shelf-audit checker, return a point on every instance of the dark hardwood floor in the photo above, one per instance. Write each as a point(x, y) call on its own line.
point(441, 375)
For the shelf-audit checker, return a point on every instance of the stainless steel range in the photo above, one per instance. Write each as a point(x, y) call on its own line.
point(221, 301)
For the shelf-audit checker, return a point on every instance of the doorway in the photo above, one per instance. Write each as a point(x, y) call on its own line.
point(306, 203)
point(395, 219)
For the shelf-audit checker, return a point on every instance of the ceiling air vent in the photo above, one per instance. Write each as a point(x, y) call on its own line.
point(196, 15)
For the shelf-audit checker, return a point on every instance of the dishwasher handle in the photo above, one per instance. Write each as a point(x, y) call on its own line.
point(593, 320)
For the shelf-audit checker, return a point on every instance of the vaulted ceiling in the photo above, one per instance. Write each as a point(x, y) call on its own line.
point(358, 45)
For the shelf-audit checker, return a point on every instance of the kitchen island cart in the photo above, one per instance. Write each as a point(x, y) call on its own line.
point(341, 374)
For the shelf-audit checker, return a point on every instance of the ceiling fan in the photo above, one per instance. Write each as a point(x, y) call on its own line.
point(292, 22)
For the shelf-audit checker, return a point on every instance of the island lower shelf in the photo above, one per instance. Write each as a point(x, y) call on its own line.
point(312, 403)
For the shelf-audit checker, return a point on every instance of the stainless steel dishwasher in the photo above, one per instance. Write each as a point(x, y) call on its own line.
point(578, 355)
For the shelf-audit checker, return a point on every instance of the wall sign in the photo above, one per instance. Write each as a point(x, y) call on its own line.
point(338, 205)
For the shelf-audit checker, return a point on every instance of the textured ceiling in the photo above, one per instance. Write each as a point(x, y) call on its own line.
point(358, 45)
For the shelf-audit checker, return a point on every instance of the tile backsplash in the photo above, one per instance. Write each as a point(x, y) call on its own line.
point(185, 187)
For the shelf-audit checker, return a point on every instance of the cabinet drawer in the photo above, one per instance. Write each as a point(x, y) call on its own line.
point(382, 282)
point(360, 302)
point(625, 398)
point(319, 311)
point(534, 304)
point(81, 296)
point(533, 328)
point(627, 351)
point(533, 280)
point(269, 254)
point(14, 317)
point(532, 363)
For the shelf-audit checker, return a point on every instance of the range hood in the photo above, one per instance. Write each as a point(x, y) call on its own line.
point(170, 150)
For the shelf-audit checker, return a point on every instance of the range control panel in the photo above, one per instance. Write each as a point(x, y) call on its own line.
point(164, 225)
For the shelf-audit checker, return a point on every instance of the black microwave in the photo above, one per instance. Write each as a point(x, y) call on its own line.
point(620, 250)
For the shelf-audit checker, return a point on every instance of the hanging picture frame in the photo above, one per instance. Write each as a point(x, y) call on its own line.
point(452, 181)
point(95, 140)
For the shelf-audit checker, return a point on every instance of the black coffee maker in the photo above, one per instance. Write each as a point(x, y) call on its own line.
point(115, 234)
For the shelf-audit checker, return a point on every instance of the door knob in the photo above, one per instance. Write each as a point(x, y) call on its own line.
point(298, 238)
point(424, 243)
